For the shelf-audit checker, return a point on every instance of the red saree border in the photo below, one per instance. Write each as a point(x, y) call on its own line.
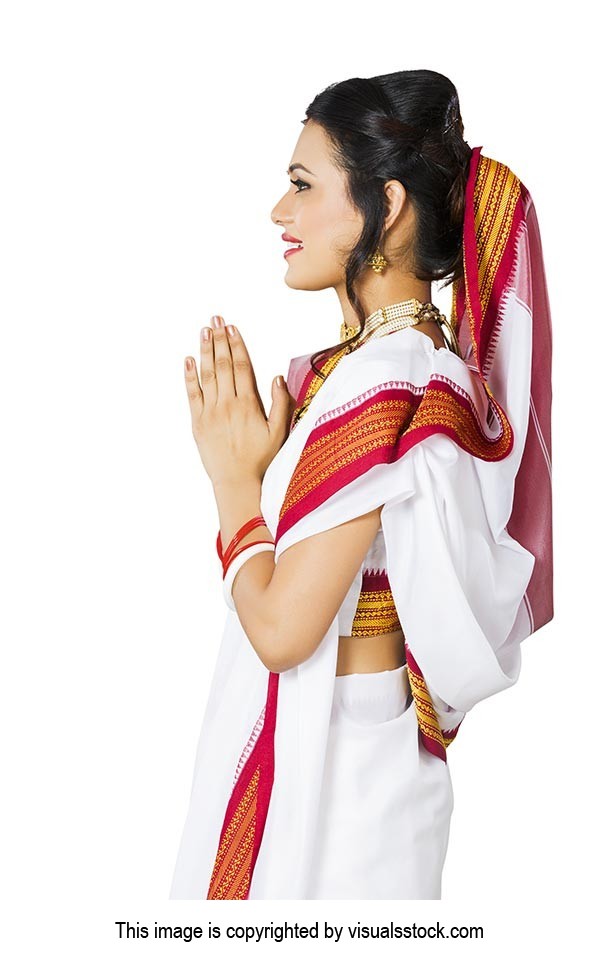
point(494, 213)
point(433, 738)
point(392, 418)
point(246, 814)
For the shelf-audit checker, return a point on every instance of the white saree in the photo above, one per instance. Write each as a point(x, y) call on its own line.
point(459, 583)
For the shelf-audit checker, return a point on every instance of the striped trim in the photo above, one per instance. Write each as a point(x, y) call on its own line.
point(375, 612)
point(378, 427)
point(244, 822)
point(433, 738)
point(494, 214)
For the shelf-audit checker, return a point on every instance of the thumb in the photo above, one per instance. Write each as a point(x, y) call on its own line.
point(279, 415)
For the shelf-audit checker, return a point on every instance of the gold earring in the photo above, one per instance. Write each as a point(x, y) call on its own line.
point(377, 261)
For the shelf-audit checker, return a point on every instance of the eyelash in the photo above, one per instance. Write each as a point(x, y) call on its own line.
point(298, 181)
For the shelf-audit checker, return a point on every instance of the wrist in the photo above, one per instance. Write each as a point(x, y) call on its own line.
point(239, 482)
point(237, 502)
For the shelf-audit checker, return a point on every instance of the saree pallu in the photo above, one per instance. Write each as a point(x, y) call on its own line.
point(401, 424)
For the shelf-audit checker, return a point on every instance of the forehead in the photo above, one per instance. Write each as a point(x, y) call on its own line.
point(312, 149)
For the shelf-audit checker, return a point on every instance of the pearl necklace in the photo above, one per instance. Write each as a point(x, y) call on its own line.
point(384, 320)
point(393, 317)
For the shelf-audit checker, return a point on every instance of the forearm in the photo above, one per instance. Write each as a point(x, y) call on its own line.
point(237, 502)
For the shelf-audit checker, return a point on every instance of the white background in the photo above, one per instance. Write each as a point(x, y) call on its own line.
point(143, 148)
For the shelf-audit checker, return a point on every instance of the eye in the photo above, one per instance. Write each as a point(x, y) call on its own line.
point(297, 182)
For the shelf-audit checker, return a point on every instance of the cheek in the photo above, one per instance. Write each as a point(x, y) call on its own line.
point(328, 226)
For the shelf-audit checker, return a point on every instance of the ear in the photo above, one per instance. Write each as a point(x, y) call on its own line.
point(396, 203)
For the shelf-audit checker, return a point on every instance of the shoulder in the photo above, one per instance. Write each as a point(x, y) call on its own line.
point(402, 364)
point(432, 331)
point(418, 352)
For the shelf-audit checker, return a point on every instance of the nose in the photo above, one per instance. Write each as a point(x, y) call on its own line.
point(278, 216)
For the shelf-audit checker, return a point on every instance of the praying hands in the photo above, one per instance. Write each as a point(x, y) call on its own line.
point(235, 438)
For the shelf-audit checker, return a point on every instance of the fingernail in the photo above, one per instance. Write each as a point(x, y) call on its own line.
point(279, 380)
point(230, 330)
point(206, 333)
point(217, 320)
point(188, 364)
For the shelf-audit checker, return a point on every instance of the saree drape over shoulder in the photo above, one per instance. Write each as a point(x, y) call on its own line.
point(457, 450)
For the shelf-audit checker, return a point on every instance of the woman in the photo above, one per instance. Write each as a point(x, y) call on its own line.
point(386, 548)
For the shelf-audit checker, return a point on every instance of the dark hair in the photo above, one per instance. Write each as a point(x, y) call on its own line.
point(402, 126)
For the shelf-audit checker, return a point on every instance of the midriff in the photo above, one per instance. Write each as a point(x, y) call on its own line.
point(373, 653)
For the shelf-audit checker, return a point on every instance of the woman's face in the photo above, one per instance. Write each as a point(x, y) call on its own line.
point(317, 212)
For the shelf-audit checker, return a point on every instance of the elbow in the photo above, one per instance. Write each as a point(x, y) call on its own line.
point(271, 647)
point(275, 667)
point(286, 629)
point(282, 653)
point(265, 639)
point(267, 644)
point(276, 659)
point(270, 652)
point(279, 665)
point(282, 649)
point(268, 659)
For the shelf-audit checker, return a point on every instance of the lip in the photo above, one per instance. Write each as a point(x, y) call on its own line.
point(292, 250)
point(288, 237)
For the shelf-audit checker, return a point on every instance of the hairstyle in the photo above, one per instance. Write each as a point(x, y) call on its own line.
point(402, 126)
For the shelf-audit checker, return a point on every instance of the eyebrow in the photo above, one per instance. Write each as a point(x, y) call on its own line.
point(293, 167)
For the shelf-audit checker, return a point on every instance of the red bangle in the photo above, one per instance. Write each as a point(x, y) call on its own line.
point(246, 528)
point(220, 543)
point(255, 522)
point(243, 548)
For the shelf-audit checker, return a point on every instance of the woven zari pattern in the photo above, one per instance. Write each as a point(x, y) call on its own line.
point(497, 191)
point(434, 738)
point(244, 822)
point(312, 384)
point(375, 612)
point(493, 214)
point(378, 427)
point(231, 873)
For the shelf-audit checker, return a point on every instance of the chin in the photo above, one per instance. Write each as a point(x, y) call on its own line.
point(297, 283)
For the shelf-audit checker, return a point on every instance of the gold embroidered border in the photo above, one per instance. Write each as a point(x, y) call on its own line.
point(231, 873)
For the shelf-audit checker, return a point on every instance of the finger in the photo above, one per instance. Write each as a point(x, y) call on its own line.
point(223, 362)
point(207, 368)
point(243, 370)
point(192, 386)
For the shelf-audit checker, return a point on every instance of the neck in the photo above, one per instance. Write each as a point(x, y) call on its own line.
point(379, 291)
